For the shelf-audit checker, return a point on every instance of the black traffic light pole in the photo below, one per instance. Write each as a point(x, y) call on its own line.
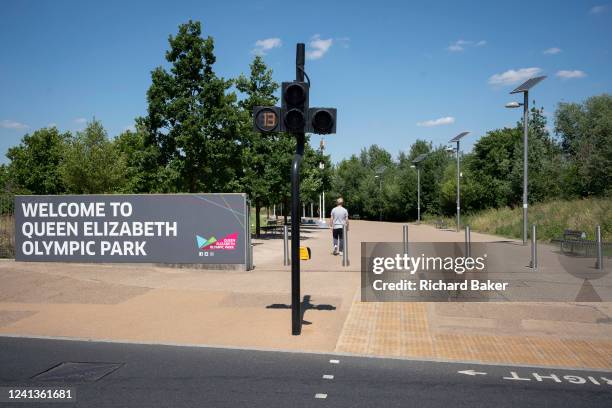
point(296, 117)
point(296, 318)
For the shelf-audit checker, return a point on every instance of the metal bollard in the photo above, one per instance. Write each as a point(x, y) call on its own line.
point(468, 241)
point(599, 263)
point(405, 238)
point(286, 260)
point(534, 249)
point(345, 258)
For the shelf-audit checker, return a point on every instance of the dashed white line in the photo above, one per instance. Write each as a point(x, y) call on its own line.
point(328, 377)
point(334, 361)
point(321, 396)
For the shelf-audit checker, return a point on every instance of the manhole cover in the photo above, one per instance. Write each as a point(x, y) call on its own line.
point(77, 372)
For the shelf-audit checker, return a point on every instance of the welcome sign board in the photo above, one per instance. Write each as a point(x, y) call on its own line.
point(158, 228)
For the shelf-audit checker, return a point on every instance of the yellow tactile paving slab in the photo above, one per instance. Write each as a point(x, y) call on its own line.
point(406, 330)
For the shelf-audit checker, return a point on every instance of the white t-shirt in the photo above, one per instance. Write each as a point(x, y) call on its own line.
point(339, 216)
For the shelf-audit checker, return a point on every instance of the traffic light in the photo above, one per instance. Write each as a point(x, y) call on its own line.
point(321, 121)
point(294, 106)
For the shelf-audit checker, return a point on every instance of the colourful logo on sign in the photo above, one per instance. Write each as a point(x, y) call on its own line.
point(228, 243)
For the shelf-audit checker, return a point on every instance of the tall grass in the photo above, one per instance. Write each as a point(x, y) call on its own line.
point(551, 218)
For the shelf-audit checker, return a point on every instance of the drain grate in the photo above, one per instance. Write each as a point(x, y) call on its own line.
point(77, 372)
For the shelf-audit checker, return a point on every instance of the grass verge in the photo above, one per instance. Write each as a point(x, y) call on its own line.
point(551, 218)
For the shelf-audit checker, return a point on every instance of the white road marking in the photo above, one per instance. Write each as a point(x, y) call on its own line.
point(328, 377)
point(548, 377)
point(516, 377)
point(321, 396)
point(471, 372)
point(334, 361)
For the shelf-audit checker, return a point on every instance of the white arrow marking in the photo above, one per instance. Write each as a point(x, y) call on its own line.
point(471, 372)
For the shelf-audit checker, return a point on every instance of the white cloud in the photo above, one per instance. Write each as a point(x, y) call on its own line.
point(52, 125)
point(514, 76)
point(318, 47)
point(263, 46)
point(11, 124)
point(461, 45)
point(447, 120)
point(552, 51)
point(598, 9)
point(80, 121)
point(566, 74)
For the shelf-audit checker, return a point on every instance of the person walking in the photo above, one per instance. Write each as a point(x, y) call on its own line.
point(338, 219)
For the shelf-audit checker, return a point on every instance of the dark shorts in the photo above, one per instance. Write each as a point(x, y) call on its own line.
point(337, 233)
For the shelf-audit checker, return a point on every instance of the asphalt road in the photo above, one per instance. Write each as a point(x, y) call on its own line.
point(170, 376)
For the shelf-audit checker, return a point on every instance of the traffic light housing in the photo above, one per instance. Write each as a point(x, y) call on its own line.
point(294, 106)
point(321, 121)
point(295, 115)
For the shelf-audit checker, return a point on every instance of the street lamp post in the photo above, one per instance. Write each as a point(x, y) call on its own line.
point(379, 194)
point(524, 88)
point(457, 139)
point(416, 164)
point(418, 195)
point(322, 195)
point(379, 173)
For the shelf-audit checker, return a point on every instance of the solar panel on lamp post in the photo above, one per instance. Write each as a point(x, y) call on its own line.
point(524, 88)
point(457, 139)
point(417, 160)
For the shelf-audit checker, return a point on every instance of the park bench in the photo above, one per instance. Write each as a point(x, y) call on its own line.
point(440, 224)
point(273, 227)
point(575, 243)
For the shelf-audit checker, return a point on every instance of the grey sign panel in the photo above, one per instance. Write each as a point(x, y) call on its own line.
point(159, 228)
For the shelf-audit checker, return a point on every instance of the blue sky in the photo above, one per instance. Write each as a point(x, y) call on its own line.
point(396, 71)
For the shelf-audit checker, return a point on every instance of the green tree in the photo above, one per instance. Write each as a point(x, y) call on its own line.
point(348, 178)
point(432, 173)
point(192, 118)
point(494, 171)
point(313, 178)
point(257, 148)
point(544, 161)
point(91, 164)
point(142, 173)
point(34, 162)
point(586, 139)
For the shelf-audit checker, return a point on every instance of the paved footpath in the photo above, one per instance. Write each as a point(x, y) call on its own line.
point(143, 303)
